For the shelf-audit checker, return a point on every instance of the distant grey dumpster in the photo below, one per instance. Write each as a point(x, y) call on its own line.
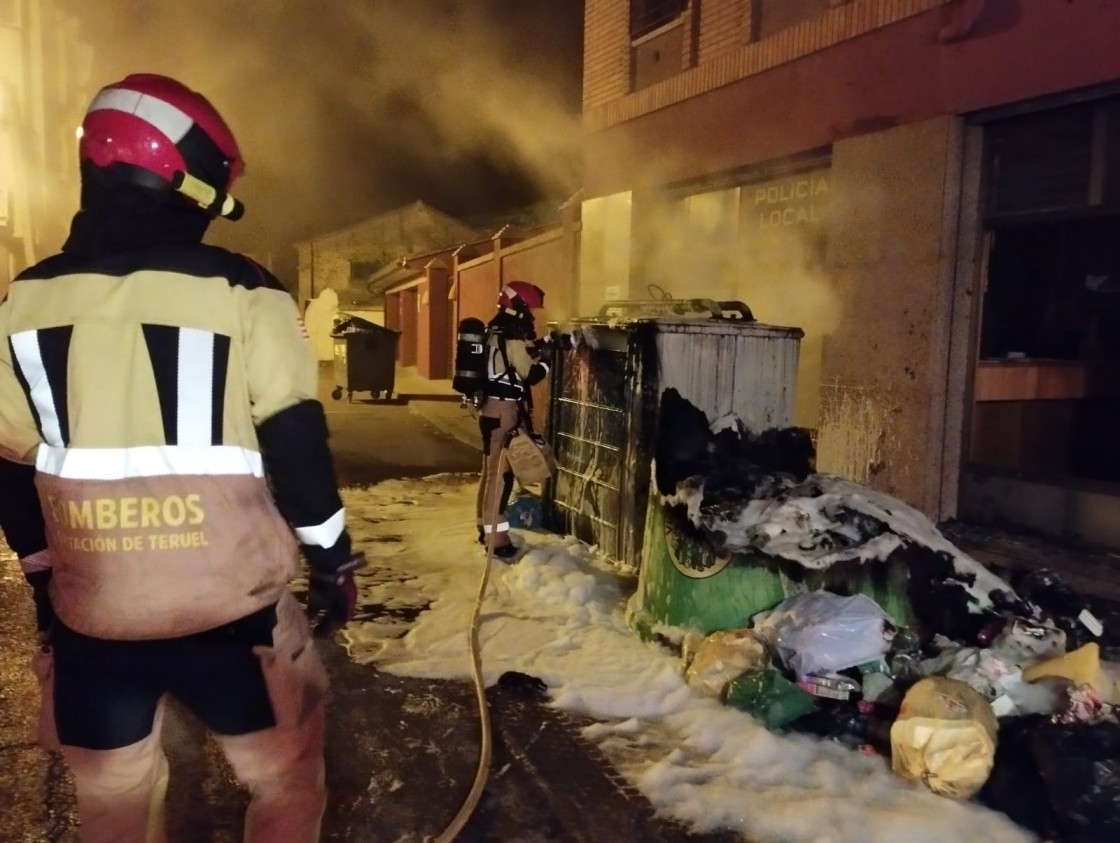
point(365, 359)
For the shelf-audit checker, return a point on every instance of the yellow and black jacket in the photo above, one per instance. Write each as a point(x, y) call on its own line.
point(166, 392)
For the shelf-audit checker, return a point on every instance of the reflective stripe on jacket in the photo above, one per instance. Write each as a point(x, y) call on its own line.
point(509, 374)
point(143, 376)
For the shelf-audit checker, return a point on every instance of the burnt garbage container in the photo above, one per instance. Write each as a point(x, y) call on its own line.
point(365, 358)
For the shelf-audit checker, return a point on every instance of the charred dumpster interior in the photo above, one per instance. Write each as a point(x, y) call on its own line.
point(1046, 391)
point(605, 403)
point(732, 496)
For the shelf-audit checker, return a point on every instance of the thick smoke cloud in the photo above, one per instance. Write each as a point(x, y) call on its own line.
point(345, 108)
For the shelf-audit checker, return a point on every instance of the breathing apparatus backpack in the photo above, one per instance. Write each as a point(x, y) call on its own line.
point(470, 360)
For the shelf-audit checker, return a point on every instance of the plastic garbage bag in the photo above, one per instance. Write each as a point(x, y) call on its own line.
point(944, 737)
point(723, 656)
point(982, 670)
point(1110, 680)
point(1080, 766)
point(1046, 590)
point(1015, 786)
point(1082, 666)
point(1000, 680)
point(1024, 642)
point(821, 632)
point(769, 698)
point(525, 511)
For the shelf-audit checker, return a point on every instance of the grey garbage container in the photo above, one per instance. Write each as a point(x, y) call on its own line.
point(365, 358)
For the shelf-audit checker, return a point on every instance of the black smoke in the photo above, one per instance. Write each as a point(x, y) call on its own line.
point(348, 108)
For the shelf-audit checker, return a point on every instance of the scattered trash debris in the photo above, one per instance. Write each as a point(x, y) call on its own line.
point(725, 655)
point(1080, 766)
point(820, 633)
point(945, 737)
point(1045, 590)
point(768, 697)
point(970, 684)
point(525, 511)
point(830, 686)
point(1082, 666)
point(523, 685)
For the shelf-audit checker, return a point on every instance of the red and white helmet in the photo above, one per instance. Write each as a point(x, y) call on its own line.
point(521, 296)
point(149, 124)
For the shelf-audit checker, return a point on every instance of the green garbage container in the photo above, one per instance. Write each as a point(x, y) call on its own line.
point(682, 583)
point(365, 359)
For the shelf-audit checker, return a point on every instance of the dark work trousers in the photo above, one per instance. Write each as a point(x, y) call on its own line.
point(21, 519)
point(256, 683)
point(496, 420)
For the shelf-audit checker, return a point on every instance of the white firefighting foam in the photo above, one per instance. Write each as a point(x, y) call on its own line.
point(558, 614)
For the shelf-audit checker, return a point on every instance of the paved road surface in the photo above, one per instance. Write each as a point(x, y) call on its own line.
point(401, 753)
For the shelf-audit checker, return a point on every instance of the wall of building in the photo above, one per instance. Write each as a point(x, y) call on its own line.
point(891, 261)
point(409, 308)
point(432, 335)
point(477, 283)
point(605, 250)
point(542, 261)
point(606, 52)
point(725, 26)
point(1057, 510)
point(44, 89)
point(325, 261)
point(861, 67)
point(878, 88)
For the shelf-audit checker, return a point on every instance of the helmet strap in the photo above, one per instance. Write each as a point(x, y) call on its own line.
point(208, 198)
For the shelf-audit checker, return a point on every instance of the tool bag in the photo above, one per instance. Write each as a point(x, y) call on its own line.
point(530, 457)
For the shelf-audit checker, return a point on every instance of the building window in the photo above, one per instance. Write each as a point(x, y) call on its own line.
point(657, 47)
point(1061, 160)
point(772, 16)
point(1047, 386)
point(1041, 162)
point(648, 15)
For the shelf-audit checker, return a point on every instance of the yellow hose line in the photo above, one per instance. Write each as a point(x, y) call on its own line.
point(485, 742)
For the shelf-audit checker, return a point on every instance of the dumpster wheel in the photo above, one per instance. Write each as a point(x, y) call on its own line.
point(336, 393)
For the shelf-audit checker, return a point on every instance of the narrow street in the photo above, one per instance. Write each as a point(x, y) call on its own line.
point(401, 753)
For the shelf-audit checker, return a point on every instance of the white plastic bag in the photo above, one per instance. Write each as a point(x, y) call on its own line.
point(821, 632)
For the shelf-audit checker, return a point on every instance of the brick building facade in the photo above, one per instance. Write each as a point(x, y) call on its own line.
point(925, 186)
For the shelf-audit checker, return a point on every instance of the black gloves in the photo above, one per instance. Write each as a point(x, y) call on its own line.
point(332, 596)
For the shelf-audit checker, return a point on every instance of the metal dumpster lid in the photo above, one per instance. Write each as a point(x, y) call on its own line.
point(686, 316)
point(695, 308)
point(351, 324)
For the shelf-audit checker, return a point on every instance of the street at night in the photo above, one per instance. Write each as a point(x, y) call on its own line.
point(559, 421)
point(401, 752)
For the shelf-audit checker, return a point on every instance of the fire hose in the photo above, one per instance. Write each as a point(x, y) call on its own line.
point(485, 751)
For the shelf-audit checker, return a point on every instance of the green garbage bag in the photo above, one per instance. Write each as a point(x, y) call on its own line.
point(768, 697)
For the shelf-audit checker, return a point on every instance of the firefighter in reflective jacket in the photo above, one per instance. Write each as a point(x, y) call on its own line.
point(516, 360)
point(165, 392)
